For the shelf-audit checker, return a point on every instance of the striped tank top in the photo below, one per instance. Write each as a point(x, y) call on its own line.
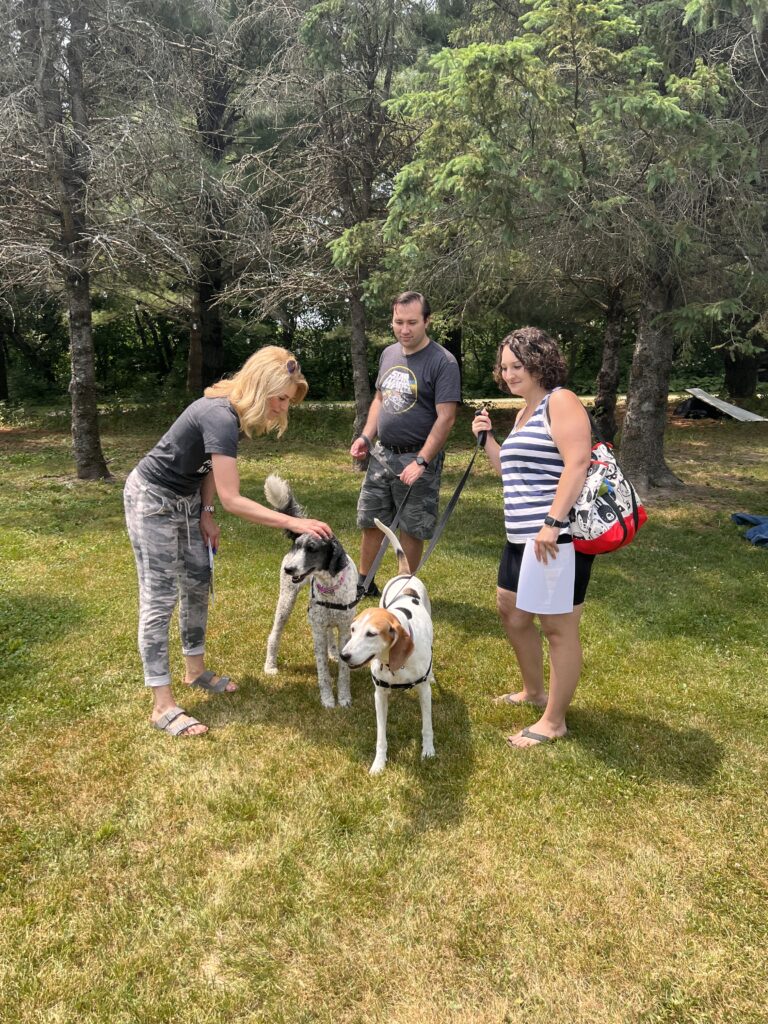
point(531, 467)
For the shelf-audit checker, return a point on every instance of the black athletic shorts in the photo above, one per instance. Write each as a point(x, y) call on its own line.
point(512, 556)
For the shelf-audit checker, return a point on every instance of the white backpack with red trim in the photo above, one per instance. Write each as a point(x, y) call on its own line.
point(608, 512)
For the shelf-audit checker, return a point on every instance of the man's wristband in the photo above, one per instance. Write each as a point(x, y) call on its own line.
point(367, 440)
point(208, 508)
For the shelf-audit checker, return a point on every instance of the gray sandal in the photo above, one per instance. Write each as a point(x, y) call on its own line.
point(203, 682)
point(169, 722)
point(538, 736)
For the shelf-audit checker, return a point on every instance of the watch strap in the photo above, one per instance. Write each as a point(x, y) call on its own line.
point(559, 523)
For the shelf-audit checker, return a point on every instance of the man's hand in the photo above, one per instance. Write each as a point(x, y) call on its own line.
point(412, 472)
point(359, 448)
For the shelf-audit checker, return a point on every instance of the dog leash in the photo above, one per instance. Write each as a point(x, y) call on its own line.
point(393, 526)
point(440, 526)
point(449, 508)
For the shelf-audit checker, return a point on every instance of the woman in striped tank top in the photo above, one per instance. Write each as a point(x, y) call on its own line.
point(543, 465)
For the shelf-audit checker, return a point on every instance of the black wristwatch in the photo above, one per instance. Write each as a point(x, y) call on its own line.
point(421, 461)
point(559, 523)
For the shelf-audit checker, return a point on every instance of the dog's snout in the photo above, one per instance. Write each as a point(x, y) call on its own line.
point(344, 655)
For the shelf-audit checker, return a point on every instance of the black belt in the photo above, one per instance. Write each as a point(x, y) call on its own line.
point(402, 449)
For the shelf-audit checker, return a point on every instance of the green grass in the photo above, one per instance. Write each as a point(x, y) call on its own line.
point(261, 875)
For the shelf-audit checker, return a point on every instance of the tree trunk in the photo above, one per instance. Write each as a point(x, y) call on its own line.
point(68, 169)
point(211, 329)
point(4, 395)
point(145, 324)
point(453, 344)
point(740, 374)
point(86, 444)
point(359, 353)
point(194, 382)
point(608, 377)
point(642, 439)
point(215, 119)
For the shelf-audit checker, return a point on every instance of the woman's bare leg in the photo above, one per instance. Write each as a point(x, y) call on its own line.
point(565, 658)
point(525, 638)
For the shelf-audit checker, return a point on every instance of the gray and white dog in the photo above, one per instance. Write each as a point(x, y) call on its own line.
point(332, 576)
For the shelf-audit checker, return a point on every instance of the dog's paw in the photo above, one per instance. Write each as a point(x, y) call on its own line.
point(427, 751)
point(345, 700)
point(378, 766)
point(270, 669)
point(327, 700)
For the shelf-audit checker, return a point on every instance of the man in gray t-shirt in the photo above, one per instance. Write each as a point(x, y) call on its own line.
point(418, 390)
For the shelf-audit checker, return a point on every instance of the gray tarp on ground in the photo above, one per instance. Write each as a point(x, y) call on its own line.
point(726, 407)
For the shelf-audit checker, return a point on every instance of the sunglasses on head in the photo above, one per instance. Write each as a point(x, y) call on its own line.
point(292, 366)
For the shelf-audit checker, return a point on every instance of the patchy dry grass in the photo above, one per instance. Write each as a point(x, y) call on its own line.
point(261, 875)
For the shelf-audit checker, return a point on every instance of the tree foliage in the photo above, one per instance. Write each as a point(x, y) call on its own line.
point(188, 181)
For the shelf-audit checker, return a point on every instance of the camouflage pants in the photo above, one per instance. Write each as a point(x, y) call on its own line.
point(172, 562)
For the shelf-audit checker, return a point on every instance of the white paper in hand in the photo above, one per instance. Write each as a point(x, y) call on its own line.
point(547, 589)
point(210, 563)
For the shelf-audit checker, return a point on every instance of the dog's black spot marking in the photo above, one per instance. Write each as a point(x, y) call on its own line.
point(406, 612)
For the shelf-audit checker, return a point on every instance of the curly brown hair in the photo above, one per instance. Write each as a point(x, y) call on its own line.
point(539, 355)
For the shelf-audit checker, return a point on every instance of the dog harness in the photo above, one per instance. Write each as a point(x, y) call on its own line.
point(402, 686)
point(408, 616)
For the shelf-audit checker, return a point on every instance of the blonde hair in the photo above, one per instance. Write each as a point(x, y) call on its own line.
point(264, 375)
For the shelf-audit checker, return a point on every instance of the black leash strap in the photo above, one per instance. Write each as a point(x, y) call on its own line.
point(384, 540)
point(448, 510)
point(440, 525)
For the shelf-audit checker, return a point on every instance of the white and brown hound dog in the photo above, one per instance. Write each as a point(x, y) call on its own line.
point(396, 638)
point(332, 576)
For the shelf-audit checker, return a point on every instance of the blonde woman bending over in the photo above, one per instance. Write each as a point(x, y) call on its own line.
point(169, 511)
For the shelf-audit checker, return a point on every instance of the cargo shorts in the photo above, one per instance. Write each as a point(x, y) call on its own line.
point(382, 492)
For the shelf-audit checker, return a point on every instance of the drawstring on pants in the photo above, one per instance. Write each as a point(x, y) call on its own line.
point(180, 505)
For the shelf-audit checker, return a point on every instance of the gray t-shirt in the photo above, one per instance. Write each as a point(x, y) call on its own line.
point(411, 386)
point(182, 457)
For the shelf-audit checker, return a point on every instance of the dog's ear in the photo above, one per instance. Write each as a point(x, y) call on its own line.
point(337, 557)
point(401, 649)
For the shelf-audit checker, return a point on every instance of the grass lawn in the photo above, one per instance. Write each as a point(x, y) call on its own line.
point(261, 875)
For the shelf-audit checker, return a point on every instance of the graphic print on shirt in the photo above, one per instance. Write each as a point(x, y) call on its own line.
point(399, 390)
point(206, 467)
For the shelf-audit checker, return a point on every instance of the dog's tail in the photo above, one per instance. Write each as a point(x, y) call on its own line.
point(280, 496)
point(402, 562)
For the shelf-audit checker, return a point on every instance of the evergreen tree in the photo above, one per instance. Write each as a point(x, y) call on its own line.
point(573, 154)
